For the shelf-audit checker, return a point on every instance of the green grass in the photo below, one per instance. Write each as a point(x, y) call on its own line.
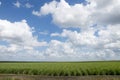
point(61, 68)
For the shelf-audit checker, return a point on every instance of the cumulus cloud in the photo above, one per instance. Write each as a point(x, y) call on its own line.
point(79, 15)
point(28, 5)
point(99, 24)
point(78, 45)
point(17, 4)
point(66, 15)
point(18, 35)
point(36, 13)
point(85, 43)
point(26, 55)
point(105, 11)
point(57, 48)
point(98, 37)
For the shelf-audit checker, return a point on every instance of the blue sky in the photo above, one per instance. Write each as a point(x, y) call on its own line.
point(59, 30)
point(41, 24)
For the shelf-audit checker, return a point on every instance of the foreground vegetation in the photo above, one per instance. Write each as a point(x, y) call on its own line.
point(37, 77)
point(61, 68)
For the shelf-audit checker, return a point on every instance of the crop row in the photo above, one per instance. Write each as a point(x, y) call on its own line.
point(61, 68)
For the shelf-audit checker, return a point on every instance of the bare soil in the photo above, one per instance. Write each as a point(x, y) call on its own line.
point(37, 77)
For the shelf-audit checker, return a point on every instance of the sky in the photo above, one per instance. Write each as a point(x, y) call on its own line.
point(59, 30)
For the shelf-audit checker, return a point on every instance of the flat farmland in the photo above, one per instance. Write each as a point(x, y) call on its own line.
point(110, 69)
point(61, 68)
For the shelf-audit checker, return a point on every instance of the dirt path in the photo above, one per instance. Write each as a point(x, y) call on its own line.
point(28, 77)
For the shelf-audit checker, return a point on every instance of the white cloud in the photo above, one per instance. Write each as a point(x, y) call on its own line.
point(100, 42)
point(36, 13)
point(43, 33)
point(105, 12)
point(78, 38)
point(26, 55)
point(18, 35)
point(83, 45)
point(20, 41)
point(65, 15)
point(86, 45)
point(28, 5)
point(17, 4)
point(97, 42)
point(55, 34)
